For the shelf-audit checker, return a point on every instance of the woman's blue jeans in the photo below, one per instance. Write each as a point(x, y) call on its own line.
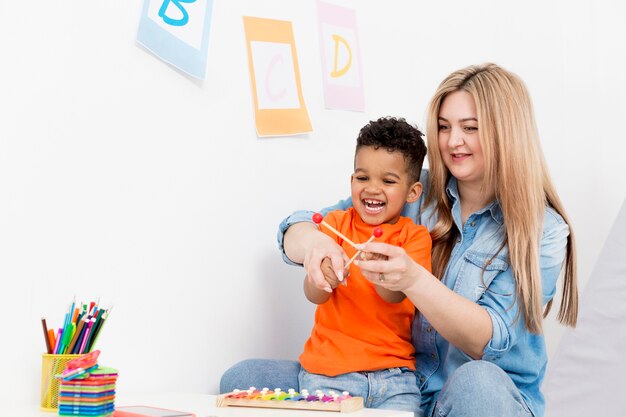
point(475, 389)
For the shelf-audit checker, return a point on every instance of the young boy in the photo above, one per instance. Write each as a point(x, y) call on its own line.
point(361, 338)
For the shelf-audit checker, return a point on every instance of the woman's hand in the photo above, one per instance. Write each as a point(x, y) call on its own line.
point(324, 262)
point(306, 244)
point(390, 267)
point(318, 295)
point(460, 321)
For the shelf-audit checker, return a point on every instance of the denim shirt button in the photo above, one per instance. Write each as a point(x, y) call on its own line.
point(432, 355)
point(473, 224)
point(429, 329)
point(422, 379)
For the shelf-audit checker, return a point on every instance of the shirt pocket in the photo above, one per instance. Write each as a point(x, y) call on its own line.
point(477, 272)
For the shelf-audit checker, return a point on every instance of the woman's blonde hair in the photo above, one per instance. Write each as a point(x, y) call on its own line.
point(517, 171)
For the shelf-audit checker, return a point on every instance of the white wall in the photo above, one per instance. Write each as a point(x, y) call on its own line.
point(121, 178)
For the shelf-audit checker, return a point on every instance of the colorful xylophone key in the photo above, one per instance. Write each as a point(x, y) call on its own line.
point(303, 400)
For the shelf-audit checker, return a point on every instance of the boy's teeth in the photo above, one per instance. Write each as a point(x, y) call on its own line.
point(374, 205)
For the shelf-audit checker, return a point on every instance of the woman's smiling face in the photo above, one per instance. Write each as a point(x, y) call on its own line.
point(459, 139)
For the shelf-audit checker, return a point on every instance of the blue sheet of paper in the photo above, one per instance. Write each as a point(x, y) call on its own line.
point(177, 31)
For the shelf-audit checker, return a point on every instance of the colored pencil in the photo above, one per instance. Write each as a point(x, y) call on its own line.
point(52, 339)
point(77, 333)
point(45, 335)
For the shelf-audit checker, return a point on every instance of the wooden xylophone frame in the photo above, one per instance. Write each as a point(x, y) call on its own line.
point(347, 405)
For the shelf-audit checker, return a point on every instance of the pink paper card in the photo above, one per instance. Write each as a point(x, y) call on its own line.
point(341, 58)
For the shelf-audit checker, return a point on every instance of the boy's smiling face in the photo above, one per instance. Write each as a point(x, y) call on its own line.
point(381, 185)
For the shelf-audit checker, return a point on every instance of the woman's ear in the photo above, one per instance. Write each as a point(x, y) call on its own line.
point(415, 191)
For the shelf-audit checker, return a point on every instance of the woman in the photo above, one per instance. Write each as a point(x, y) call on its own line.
point(501, 240)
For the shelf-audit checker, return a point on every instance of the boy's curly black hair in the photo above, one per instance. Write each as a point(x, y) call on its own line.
point(396, 134)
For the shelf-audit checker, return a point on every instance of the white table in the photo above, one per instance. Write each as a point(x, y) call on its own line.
point(204, 406)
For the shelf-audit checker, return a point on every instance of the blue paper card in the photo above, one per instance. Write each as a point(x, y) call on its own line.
point(177, 31)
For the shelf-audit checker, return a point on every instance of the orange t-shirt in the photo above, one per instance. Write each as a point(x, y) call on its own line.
point(356, 330)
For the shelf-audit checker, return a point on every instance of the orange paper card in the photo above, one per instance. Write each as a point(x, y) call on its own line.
point(275, 78)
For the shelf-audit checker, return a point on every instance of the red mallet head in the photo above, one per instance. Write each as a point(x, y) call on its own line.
point(377, 232)
point(317, 218)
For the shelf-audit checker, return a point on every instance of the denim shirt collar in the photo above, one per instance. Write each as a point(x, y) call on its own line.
point(494, 209)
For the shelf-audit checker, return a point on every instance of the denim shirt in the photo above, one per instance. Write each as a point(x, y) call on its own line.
point(479, 271)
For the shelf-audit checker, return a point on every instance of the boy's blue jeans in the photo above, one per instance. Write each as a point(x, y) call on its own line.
point(475, 389)
point(392, 389)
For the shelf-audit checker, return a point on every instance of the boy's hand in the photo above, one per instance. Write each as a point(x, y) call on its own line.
point(371, 256)
point(329, 273)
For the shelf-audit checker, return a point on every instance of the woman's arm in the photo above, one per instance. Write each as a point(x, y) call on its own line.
point(410, 210)
point(303, 244)
point(487, 328)
point(462, 322)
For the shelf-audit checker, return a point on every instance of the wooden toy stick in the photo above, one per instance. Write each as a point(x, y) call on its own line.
point(377, 232)
point(318, 218)
point(357, 254)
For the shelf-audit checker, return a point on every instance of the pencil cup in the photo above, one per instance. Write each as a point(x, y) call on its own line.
point(52, 365)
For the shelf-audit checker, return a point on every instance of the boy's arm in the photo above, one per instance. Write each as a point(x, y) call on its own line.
point(390, 296)
point(314, 294)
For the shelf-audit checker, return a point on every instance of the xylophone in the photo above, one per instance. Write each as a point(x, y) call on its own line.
point(291, 399)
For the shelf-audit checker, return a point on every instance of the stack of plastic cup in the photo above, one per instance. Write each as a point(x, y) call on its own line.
point(92, 395)
point(86, 389)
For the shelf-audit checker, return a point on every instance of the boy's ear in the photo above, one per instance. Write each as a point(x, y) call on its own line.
point(414, 192)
